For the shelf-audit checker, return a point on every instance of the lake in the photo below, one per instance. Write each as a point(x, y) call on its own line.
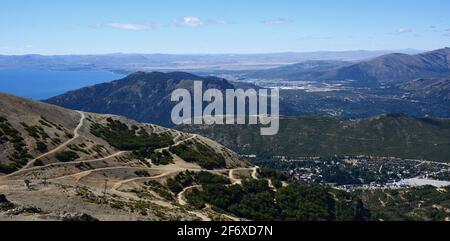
point(43, 84)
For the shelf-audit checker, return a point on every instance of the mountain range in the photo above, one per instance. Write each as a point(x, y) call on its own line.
point(62, 164)
point(140, 96)
point(438, 87)
point(390, 68)
point(307, 70)
point(128, 63)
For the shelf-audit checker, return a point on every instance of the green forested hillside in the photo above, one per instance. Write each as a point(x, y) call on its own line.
point(386, 135)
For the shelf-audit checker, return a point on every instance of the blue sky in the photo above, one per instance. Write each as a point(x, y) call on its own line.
point(220, 26)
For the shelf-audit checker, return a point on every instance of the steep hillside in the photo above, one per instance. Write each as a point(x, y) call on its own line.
point(429, 87)
point(140, 96)
point(308, 70)
point(390, 68)
point(386, 136)
point(33, 130)
point(393, 68)
point(54, 160)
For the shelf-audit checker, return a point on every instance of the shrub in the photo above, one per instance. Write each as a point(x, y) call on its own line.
point(142, 173)
point(210, 178)
point(38, 163)
point(174, 186)
point(120, 136)
point(41, 146)
point(199, 153)
point(67, 156)
point(160, 190)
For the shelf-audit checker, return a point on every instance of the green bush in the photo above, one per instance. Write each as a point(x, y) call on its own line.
point(20, 156)
point(67, 156)
point(203, 155)
point(41, 146)
point(120, 136)
point(160, 190)
point(210, 178)
point(38, 163)
point(174, 186)
point(142, 173)
point(194, 199)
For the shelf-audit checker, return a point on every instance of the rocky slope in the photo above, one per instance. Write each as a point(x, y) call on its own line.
point(59, 164)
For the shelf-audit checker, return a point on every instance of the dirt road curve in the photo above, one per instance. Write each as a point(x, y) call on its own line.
point(75, 136)
point(177, 143)
point(180, 196)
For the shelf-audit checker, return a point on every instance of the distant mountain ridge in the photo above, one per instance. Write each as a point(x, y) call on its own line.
point(128, 63)
point(390, 68)
point(397, 67)
point(302, 71)
point(427, 87)
point(141, 96)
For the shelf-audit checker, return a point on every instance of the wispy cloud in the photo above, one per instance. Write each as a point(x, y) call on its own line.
point(309, 37)
point(218, 22)
point(133, 26)
point(277, 21)
point(434, 29)
point(18, 49)
point(404, 30)
point(190, 21)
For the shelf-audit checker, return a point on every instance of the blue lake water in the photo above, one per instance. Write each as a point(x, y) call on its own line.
point(43, 84)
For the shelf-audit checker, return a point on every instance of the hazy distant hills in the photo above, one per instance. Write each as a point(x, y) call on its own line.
point(429, 87)
point(397, 67)
point(390, 68)
point(308, 70)
point(416, 88)
point(141, 96)
point(149, 62)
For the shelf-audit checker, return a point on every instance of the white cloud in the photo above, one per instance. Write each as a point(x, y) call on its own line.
point(190, 22)
point(132, 26)
point(218, 22)
point(404, 30)
point(277, 21)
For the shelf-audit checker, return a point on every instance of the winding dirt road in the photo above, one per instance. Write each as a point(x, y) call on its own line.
point(176, 143)
point(180, 196)
point(115, 189)
point(75, 136)
point(61, 164)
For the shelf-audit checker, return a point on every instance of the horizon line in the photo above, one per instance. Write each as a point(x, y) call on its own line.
point(224, 53)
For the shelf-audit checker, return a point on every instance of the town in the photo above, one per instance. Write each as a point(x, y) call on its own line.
point(363, 172)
